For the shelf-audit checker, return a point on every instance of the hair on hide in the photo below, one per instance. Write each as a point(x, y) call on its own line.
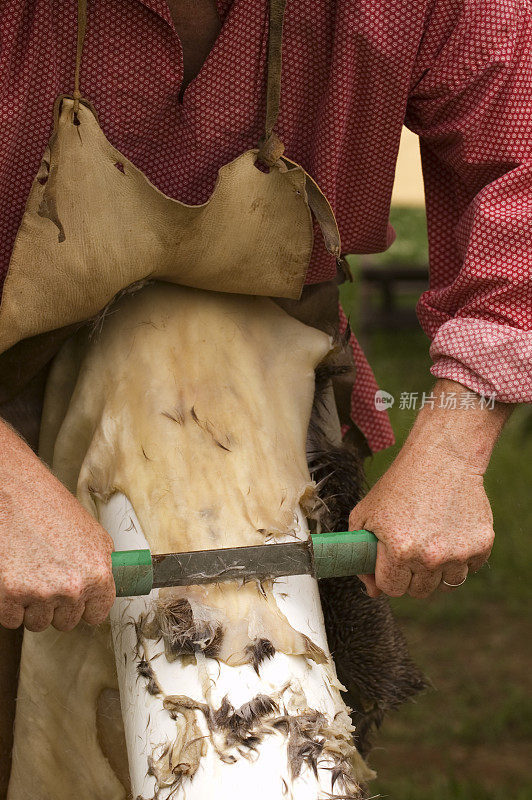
point(176, 416)
point(370, 653)
point(369, 649)
point(237, 732)
point(313, 741)
point(207, 428)
point(339, 478)
point(323, 374)
point(187, 626)
point(258, 651)
point(97, 322)
point(182, 632)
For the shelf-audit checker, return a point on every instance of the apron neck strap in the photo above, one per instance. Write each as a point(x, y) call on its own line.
point(270, 146)
point(82, 27)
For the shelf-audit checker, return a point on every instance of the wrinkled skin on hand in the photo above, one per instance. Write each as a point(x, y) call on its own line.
point(433, 523)
point(429, 510)
point(55, 559)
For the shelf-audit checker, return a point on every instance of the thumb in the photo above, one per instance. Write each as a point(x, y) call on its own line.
point(358, 522)
point(357, 517)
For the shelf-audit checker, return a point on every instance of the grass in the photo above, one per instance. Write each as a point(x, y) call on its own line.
point(469, 738)
point(457, 790)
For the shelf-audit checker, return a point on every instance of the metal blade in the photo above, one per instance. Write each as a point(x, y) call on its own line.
point(210, 566)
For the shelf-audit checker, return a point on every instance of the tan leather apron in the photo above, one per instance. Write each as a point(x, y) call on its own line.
point(95, 225)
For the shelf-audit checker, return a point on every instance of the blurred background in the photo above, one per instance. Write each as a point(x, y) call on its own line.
point(470, 737)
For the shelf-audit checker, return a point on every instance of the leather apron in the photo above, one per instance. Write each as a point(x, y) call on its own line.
point(94, 225)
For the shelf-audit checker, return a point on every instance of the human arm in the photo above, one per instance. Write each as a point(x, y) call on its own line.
point(55, 559)
point(429, 510)
point(470, 103)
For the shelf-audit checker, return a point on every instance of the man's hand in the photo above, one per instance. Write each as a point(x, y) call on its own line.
point(55, 559)
point(429, 510)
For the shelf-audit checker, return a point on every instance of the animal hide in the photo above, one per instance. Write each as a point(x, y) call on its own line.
point(196, 407)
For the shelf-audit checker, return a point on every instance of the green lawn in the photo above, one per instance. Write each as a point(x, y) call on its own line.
point(470, 738)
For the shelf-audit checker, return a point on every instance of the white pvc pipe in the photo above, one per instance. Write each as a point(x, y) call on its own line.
point(265, 776)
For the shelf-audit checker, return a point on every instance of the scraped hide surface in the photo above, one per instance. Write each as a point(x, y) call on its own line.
point(191, 409)
point(196, 406)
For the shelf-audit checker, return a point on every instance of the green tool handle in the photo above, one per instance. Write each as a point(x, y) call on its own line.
point(132, 572)
point(337, 555)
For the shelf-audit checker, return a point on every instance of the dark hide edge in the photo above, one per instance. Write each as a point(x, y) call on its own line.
point(369, 649)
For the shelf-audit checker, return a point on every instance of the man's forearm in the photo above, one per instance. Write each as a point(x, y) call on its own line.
point(15, 454)
point(10, 443)
point(429, 510)
point(466, 433)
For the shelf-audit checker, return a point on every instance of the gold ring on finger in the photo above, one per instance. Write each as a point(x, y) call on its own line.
point(454, 585)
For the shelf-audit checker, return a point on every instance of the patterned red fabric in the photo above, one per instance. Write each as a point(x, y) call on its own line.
point(459, 73)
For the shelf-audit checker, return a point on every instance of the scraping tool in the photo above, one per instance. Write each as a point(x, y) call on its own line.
point(324, 555)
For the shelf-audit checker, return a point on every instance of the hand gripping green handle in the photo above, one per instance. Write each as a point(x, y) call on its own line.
point(337, 555)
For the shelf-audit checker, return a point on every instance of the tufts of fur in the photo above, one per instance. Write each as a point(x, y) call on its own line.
point(145, 670)
point(339, 477)
point(182, 632)
point(313, 740)
point(369, 649)
point(258, 651)
point(243, 726)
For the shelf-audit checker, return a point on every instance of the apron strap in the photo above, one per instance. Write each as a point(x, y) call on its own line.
point(270, 146)
point(82, 27)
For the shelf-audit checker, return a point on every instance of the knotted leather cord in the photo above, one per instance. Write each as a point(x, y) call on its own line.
point(82, 27)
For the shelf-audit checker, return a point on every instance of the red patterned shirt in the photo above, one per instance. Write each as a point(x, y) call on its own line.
point(458, 72)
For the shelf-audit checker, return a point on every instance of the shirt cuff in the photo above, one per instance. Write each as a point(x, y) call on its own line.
point(488, 358)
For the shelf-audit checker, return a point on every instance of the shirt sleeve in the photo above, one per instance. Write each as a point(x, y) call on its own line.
point(471, 105)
